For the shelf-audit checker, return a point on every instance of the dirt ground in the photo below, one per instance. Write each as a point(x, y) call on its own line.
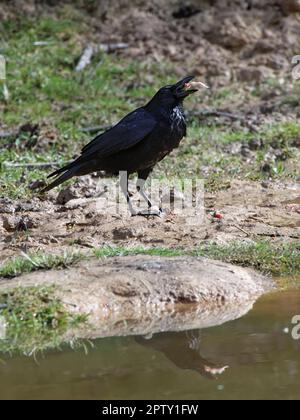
point(246, 40)
point(250, 211)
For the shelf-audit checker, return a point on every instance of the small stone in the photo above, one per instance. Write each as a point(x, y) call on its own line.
point(245, 151)
point(18, 224)
point(36, 185)
point(124, 233)
point(265, 184)
point(267, 108)
point(280, 154)
point(67, 194)
point(253, 74)
point(7, 206)
point(255, 144)
point(290, 6)
point(296, 142)
point(77, 203)
point(266, 167)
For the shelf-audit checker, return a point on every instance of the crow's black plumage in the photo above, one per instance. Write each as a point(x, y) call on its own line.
point(137, 142)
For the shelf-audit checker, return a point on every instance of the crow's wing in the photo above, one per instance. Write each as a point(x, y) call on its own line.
point(128, 132)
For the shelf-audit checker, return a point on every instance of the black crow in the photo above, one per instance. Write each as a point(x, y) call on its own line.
point(137, 143)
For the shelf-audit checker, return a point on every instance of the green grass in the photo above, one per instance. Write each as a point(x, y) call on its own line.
point(35, 320)
point(205, 147)
point(122, 251)
point(278, 260)
point(26, 264)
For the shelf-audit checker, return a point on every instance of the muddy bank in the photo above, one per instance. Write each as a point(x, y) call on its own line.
point(144, 294)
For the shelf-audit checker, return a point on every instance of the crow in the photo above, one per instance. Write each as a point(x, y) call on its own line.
point(137, 143)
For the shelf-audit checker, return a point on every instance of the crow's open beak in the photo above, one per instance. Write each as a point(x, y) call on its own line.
point(185, 87)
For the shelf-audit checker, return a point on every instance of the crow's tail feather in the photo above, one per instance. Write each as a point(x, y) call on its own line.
point(61, 170)
point(64, 177)
point(76, 168)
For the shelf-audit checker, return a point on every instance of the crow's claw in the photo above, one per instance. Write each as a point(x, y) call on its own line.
point(152, 211)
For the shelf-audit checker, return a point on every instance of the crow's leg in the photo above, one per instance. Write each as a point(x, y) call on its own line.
point(142, 178)
point(152, 210)
point(140, 187)
point(124, 188)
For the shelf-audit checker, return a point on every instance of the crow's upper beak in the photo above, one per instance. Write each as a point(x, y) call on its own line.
point(184, 88)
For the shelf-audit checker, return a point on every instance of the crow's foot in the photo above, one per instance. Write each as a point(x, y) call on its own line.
point(151, 211)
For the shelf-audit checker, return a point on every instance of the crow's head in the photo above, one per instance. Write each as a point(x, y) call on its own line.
point(174, 94)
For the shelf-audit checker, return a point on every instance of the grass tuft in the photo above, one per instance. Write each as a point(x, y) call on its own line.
point(35, 320)
point(33, 262)
point(278, 260)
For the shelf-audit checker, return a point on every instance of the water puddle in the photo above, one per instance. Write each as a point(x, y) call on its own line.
point(252, 357)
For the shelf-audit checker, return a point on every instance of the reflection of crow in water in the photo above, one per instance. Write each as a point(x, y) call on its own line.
point(137, 143)
point(184, 351)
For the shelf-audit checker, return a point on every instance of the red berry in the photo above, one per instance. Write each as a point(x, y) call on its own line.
point(218, 215)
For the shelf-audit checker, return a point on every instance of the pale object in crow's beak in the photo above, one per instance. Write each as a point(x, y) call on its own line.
point(196, 85)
